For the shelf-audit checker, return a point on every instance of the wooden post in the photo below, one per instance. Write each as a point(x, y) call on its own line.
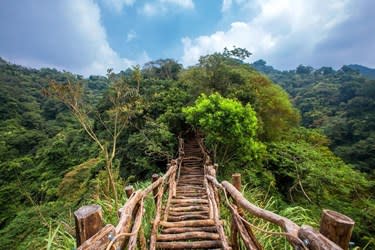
point(336, 227)
point(89, 221)
point(216, 167)
point(129, 190)
point(155, 177)
point(236, 180)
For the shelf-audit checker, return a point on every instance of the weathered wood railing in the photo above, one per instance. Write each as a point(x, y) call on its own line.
point(91, 234)
point(335, 228)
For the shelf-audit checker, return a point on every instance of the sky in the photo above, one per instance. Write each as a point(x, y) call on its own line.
point(89, 36)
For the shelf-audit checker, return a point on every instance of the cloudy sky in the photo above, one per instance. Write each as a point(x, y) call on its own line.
point(89, 36)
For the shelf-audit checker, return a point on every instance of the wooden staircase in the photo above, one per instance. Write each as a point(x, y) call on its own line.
point(188, 224)
point(190, 217)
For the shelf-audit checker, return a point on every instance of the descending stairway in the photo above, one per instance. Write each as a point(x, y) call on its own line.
point(188, 224)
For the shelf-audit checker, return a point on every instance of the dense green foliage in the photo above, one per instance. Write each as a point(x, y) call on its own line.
point(229, 128)
point(50, 167)
point(340, 103)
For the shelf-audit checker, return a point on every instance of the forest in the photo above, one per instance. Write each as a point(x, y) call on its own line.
point(302, 140)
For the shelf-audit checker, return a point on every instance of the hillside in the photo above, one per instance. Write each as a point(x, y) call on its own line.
point(50, 166)
point(341, 103)
point(365, 71)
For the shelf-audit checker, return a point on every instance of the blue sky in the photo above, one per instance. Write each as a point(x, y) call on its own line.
point(89, 36)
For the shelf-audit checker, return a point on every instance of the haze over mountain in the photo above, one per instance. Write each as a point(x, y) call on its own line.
point(365, 71)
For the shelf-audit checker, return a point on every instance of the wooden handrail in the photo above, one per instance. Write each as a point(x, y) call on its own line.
point(125, 233)
point(126, 217)
point(305, 234)
point(300, 237)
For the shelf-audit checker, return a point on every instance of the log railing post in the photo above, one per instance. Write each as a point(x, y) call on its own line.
point(155, 177)
point(236, 180)
point(89, 221)
point(216, 167)
point(336, 227)
point(129, 190)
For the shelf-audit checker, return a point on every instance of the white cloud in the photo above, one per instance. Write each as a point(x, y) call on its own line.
point(281, 29)
point(161, 7)
point(93, 36)
point(69, 36)
point(118, 5)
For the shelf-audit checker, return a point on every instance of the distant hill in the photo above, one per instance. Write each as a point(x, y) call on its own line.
point(2, 61)
point(339, 102)
point(365, 71)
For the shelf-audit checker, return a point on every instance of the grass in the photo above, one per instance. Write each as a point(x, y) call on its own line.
point(258, 197)
point(61, 233)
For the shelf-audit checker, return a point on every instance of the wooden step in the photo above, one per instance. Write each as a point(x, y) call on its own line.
point(188, 229)
point(190, 200)
point(186, 217)
point(189, 208)
point(189, 245)
point(188, 236)
point(188, 223)
point(185, 213)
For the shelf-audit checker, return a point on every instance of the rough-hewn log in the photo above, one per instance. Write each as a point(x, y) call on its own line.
point(243, 231)
point(188, 196)
point(253, 242)
point(100, 240)
point(214, 181)
point(216, 215)
point(189, 208)
point(188, 223)
point(210, 209)
point(170, 195)
point(142, 239)
point(155, 177)
point(336, 227)
point(127, 212)
point(172, 230)
point(315, 240)
point(159, 181)
point(234, 234)
point(129, 190)
point(172, 218)
point(190, 200)
point(189, 236)
point(189, 245)
point(155, 225)
point(287, 225)
point(236, 181)
point(173, 213)
point(88, 220)
point(136, 226)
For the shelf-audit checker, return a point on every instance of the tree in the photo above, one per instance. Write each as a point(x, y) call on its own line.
point(137, 75)
point(240, 53)
point(122, 106)
point(162, 69)
point(229, 128)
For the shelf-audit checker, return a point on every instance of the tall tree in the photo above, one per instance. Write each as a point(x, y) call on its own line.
point(137, 75)
point(122, 100)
